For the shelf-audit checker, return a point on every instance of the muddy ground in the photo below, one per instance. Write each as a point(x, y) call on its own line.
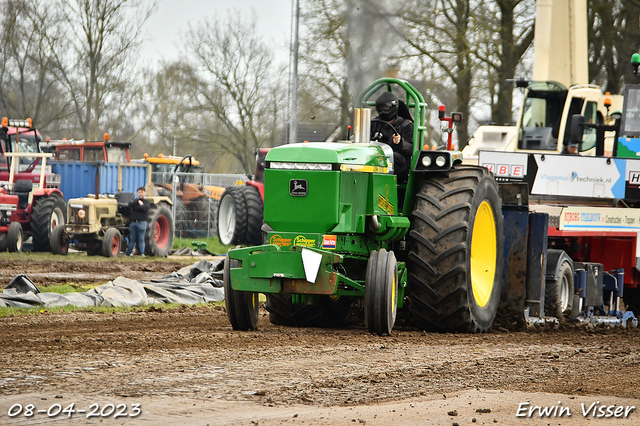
point(77, 269)
point(187, 366)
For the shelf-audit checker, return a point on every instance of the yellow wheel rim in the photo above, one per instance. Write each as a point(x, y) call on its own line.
point(393, 295)
point(484, 249)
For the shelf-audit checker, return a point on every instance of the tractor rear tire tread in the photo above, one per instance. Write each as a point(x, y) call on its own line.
point(206, 210)
point(240, 210)
point(40, 223)
point(439, 283)
point(255, 212)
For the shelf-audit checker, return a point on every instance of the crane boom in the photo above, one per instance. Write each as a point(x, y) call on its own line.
point(561, 44)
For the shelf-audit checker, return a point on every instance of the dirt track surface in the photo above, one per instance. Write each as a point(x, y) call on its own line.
point(187, 366)
point(85, 271)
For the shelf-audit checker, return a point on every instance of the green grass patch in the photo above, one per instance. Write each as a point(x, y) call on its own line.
point(7, 312)
point(65, 288)
point(211, 243)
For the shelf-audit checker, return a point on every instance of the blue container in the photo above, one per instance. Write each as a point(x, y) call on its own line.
point(78, 179)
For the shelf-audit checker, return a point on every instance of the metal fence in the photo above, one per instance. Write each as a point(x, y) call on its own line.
point(195, 199)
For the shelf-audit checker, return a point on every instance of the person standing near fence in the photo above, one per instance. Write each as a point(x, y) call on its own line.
point(139, 217)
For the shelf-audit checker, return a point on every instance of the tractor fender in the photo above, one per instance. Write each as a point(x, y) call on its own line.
point(554, 260)
point(46, 192)
point(258, 185)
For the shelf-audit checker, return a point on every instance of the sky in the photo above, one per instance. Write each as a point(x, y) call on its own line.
point(174, 17)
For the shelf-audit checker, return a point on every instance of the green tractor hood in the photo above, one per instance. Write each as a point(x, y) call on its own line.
point(327, 187)
point(329, 153)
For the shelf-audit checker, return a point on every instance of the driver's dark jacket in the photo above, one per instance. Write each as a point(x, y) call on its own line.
point(383, 131)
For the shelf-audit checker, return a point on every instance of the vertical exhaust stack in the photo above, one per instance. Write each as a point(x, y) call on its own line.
point(362, 125)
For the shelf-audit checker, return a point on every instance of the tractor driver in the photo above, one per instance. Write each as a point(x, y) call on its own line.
point(570, 148)
point(395, 131)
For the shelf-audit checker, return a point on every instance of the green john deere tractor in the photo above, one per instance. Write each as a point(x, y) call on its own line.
point(344, 228)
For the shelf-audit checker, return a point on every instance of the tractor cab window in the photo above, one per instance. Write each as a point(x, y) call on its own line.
point(69, 154)
point(591, 115)
point(631, 119)
point(27, 142)
point(541, 117)
point(161, 173)
point(93, 154)
point(116, 154)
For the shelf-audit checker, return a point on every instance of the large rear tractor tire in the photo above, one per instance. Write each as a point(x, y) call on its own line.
point(206, 214)
point(232, 216)
point(111, 243)
point(558, 294)
point(59, 243)
point(181, 218)
point(242, 306)
point(255, 214)
point(48, 212)
point(159, 235)
point(381, 292)
point(15, 237)
point(456, 251)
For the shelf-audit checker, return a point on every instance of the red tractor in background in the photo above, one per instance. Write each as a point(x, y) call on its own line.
point(240, 212)
point(25, 211)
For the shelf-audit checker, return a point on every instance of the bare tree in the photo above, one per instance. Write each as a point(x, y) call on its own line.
point(324, 48)
point(170, 115)
point(98, 68)
point(29, 87)
point(442, 33)
point(506, 31)
point(238, 84)
point(613, 38)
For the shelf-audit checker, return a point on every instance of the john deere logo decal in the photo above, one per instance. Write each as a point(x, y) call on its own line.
point(298, 187)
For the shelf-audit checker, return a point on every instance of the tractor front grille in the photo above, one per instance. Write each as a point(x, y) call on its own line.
point(75, 219)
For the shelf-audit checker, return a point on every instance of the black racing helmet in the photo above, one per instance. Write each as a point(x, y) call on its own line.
point(387, 106)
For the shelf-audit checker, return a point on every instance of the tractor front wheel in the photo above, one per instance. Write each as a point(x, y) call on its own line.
point(558, 297)
point(381, 292)
point(242, 306)
point(111, 243)
point(159, 235)
point(59, 243)
point(15, 237)
point(456, 251)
